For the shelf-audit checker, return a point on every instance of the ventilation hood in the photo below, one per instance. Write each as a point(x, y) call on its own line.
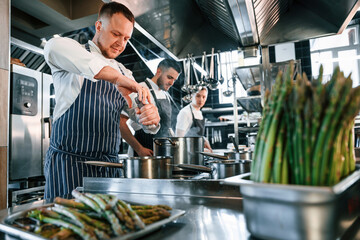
point(183, 27)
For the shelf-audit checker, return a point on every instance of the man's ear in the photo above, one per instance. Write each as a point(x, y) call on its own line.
point(98, 25)
point(158, 71)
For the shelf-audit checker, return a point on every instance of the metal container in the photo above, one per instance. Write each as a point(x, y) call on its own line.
point(241, 155)
point(220, 169)
point(227, 168)
point(158, 167)
point(184, 150)
point(279, 211)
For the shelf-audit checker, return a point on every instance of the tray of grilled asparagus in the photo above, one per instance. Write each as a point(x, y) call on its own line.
point(89, 216)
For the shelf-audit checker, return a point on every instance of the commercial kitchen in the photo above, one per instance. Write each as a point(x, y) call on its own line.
point(281, 116)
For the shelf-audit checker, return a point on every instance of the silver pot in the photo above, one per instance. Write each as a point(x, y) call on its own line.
point(227, 168)
point(241, 155)
point(184, 150)
point(220, 169)
point(158, 167)
point(141, 167)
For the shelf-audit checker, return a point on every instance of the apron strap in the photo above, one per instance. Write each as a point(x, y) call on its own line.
point(153, 93)
point(87, 47)
point(192, 113)
point(103, 157)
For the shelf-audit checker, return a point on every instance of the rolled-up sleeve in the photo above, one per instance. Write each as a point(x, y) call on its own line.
point(67, 54)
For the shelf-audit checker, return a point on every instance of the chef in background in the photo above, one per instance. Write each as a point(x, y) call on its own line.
point(91, 88)
point(141, 144)
point(190, 121)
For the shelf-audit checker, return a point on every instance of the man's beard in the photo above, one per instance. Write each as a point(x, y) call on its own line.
point(104, 53)
point(161, 84)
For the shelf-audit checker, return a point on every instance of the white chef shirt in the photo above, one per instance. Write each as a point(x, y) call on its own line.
point(184, 119)
point(159, 93)
point(70, 63)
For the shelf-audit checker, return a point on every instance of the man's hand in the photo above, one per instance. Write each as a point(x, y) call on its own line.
point(143, 152)
point(124, 84)
point(207, 147)
point(148, 115)
point(143, 93)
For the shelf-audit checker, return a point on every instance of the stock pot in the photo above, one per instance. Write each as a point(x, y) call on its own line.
point(184, 150)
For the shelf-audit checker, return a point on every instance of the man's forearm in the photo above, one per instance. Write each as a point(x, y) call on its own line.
point(108, 74)
point(127, 135)
point(207, 144)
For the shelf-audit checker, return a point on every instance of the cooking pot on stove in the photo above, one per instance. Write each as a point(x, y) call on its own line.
point(241, 155)
point(184, 150)
point(220, 169)
point(158, 167)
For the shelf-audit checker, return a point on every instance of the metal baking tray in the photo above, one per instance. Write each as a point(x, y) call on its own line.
point(7, 228)
point(280, 211)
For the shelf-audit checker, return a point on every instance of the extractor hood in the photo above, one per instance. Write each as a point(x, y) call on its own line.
point(184, 27)
point(280, 21)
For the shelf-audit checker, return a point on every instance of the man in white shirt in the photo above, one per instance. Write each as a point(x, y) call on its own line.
point(91, 89)
point(141, 144)
point(190, 121)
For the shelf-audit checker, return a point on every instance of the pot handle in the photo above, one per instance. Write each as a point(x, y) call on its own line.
point(156, 141)
point(104, 164)
point(193, 167)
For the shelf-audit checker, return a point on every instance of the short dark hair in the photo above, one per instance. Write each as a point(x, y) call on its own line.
point(111, 8)
point(169, 63)
point(200, 89)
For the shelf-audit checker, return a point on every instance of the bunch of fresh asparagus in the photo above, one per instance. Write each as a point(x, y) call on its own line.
point(94, 216)
point(306, 134)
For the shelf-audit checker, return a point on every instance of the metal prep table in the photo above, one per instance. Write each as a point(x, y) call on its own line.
point(213, 210)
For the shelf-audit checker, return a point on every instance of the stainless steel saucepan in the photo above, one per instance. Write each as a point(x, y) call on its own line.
point(158, 167)
point(184, 150)
point(241, 155)
point(220, 169)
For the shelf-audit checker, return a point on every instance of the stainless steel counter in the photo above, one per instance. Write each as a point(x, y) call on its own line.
point(213, 210)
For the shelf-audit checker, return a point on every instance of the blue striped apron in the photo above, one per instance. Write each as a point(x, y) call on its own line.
point(88, 130)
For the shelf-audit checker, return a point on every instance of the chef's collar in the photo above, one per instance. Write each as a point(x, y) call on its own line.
point(94, 47)
point(153, 85)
